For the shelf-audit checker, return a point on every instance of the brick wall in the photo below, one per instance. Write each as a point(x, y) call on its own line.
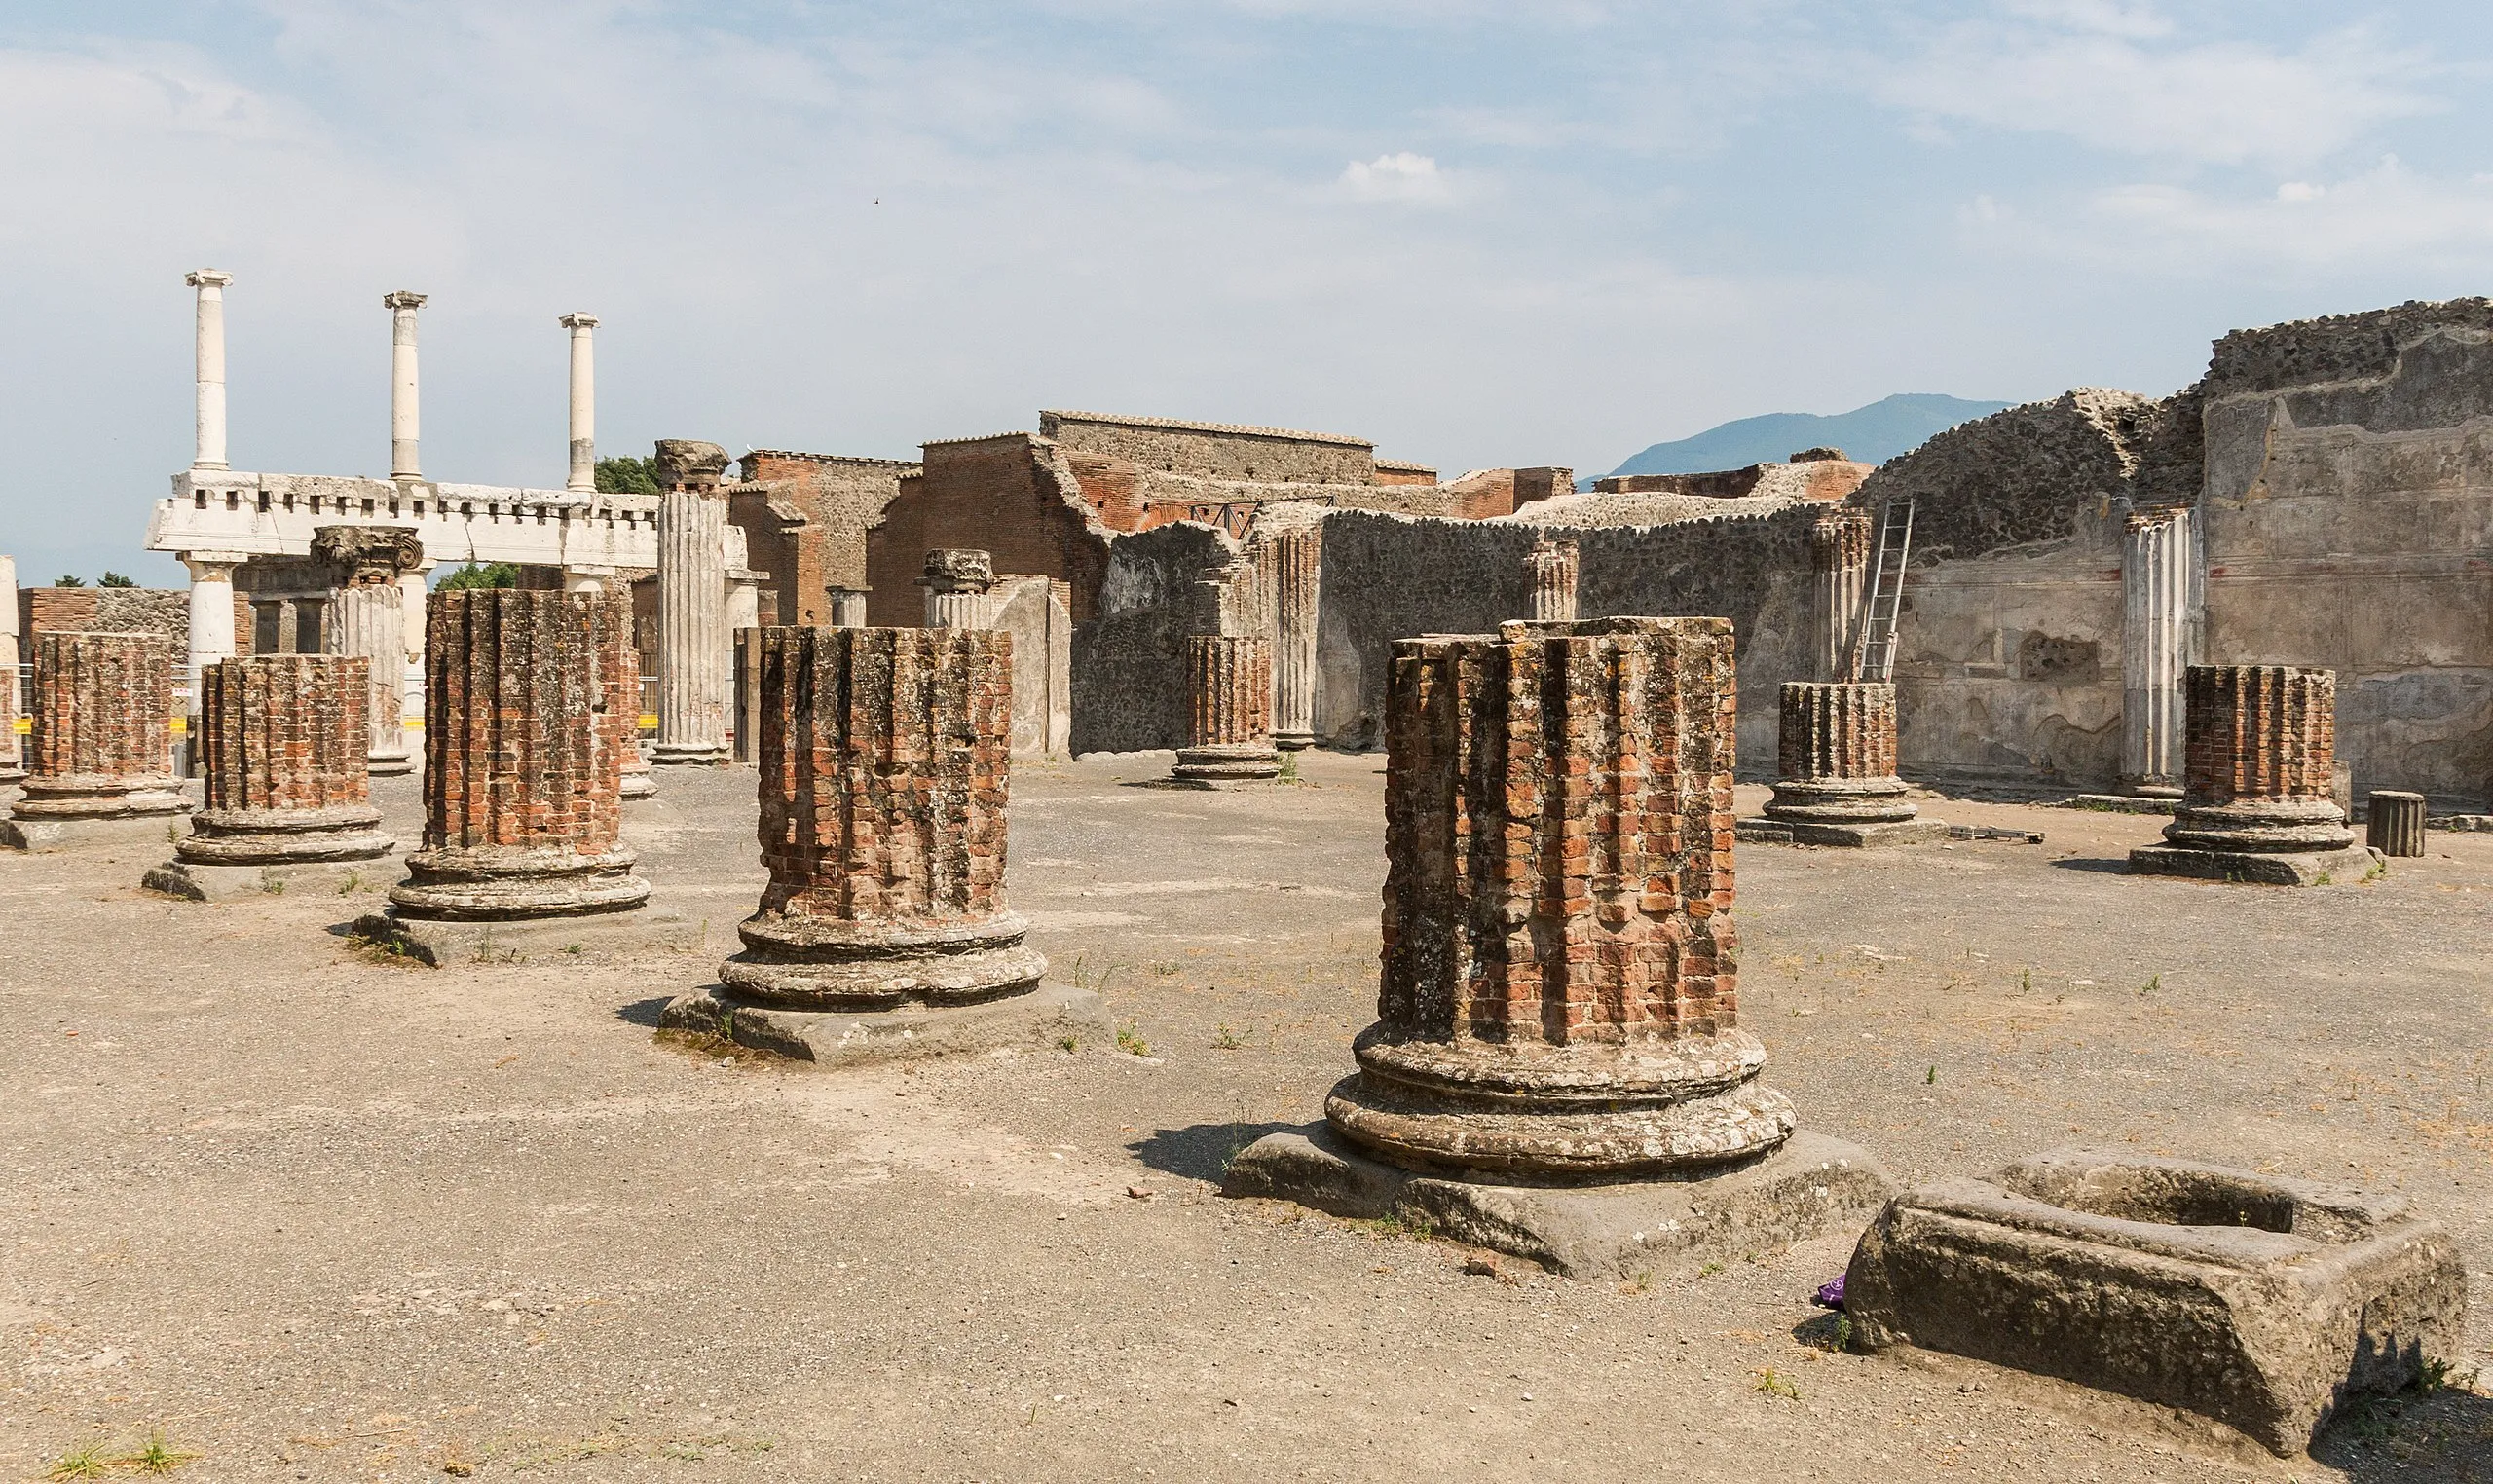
point(529, 707)
point(1216, 450)
point(993, 495)
point(103, 705)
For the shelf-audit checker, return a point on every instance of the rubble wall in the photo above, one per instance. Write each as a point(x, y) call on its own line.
point(1129, 655)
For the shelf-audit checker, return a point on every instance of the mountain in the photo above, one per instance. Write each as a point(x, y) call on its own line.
point(1873, 434)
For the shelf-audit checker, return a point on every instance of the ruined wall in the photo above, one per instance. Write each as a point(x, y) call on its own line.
point(805, 518)
point(2348, 510)
point(165, 611)
point(1129, 655)
point(1011, 496)
point(1822, 479)
point(1216, 450)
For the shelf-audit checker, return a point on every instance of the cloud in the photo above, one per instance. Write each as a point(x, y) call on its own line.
point(1404, 176)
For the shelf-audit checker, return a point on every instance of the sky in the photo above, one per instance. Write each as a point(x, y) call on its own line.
point(1479, 234)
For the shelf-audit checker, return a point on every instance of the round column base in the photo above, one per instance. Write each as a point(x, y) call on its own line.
point(1227, 763)
point(508, 883)
point(1293, 741)
point(283, 837)
point(799, 962)
point(2268, 826)
point(689, 755)
point(397, 765)
point(98, 796)
point(1840, 801)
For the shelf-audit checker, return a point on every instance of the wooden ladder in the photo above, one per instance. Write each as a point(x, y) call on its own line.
point(1873, 646)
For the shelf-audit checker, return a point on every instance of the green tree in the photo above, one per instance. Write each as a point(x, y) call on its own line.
point(114, 579)
point(70, 581)
point(627, 476)
point(495, 574)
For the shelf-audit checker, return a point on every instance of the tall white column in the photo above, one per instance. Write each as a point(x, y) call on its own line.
point(693, 637)
point(12, 764)
point(1299, 556)
point(207, 451)
point(2155, 649)
point(211, 623)
point(402, 307)
point(584, 401)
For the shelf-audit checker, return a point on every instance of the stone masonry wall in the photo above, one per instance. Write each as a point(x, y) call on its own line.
point(1130, 656)
point(1216, 450)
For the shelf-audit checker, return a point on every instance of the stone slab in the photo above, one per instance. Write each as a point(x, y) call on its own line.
point(440, 941)
point(1762, 831)
point(2265, 1304)
point(2121, 803)
point(1809, 1186)
point(129, 829)
point(1045, 1017)
point(2460, 823)
point(229, 883)
point(2342, 868)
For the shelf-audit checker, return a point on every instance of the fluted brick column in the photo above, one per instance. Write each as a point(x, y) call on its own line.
point(694, 642)
point(1229, 692)
point(1558, 992)
point(1551, 567)
point(1298, 565)
point(1835, 755)
point(2155, 589)
point(281, 748)
point(530, 705)
point(12, 757)
point(369, 618)
point(885, 770)
point(1839, 566)
point(2259, 751)
point(101, 746)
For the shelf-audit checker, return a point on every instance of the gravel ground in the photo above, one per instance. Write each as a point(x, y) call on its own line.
point(314, 1216)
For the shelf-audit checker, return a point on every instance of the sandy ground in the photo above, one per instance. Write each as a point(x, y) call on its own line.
point(315, 1216)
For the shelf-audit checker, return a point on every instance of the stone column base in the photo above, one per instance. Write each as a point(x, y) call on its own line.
point(2343, 868)
point(1793, 831)
point(1050, 1017)
point(257, 838)
point(505, 884)
point(1223, 763)
point(397, 765)
point(441, 942)
point(47, 833)
point(1293, 741)
point(684, 754)
point(1808, 1187)
point(197, 881)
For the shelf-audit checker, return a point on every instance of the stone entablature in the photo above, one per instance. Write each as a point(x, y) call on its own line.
point(276, 515)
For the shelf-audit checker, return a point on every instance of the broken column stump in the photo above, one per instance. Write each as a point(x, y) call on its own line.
point(1229, 694)
point(1557, 1069)
point(530, 709)
point(1836, 780)
point(2259, 763)
point(1550, 568)
point(2266, 1304)
point(2394, 822)
point(100, 759)
point(283, 749)
point(885, 761)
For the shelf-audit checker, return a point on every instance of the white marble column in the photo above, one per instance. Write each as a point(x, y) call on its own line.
point(2155, 626)
point(211, 625)
point(583, 476)
point(370, 619)
point(1299, 556)
point(848, 607)
point(13, 753)
point(402, 307)
point(1550, 567)
point(1840, 559)
point(693, 638)
point(207, 451)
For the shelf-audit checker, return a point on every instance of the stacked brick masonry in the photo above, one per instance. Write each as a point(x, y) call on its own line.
point(285, 733)
point(102, 708)
point(1837, 731)
point(1229, 691)
point(2259, 732)
point(531, 705)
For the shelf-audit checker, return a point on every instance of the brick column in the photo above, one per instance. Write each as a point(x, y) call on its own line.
point(369, 618)
point(1558, 989)
point(13, 757)
point(282, 746)
point(102, 750)
point(1552, 566)
point(1229, 691)
point(1836, 780)
point(693, 639)
point(958, 585)
point(1840, 564)
point(2259, 755)
point(530, 705)
point(2155, 591)
point(1298, 562)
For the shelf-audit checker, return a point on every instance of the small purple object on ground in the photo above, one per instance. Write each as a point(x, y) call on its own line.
point(1829, 1296)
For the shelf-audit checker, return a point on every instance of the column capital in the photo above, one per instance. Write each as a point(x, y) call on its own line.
point(210, 566)
point(207, 278)
point(403, 299)
point(577, 321)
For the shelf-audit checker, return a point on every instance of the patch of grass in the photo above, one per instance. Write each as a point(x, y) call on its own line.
point(1165, 969)
point(2152, 984)
point(1067, 1044)
point(2025, 981)
point(157, 1456)
point(2329, 878)
point(575, 950)
point(1398, 1224)
point(85, 1461)
point(1709, 1270)
point(1130, 1040)
point(1774, 1382)
point(1930, 1078)
point(354, 881)
point(273, 885)
point(1225, 1039)
point(1290, 767)
point(382, 950)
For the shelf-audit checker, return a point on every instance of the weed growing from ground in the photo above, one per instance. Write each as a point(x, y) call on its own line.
point(158, 1456)
point(85, 1461)
point(1225, 1039)
point(1774, 1382)
point(1130, 1040)
point(1067, 1044)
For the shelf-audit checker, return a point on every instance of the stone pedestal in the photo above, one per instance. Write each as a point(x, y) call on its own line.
point(1298, 564)
point(1229, 694)
point(1557, 1022)
point(2394, 822)
point(282, 746)
point(884, 775)
point(2156, 570)
point(693, 637)
point(1840, 567)
point(368, 617)
point(2256, 806)
point(531, 706)
point(99, 769)
point(1550, 567)
point(1835, 778)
